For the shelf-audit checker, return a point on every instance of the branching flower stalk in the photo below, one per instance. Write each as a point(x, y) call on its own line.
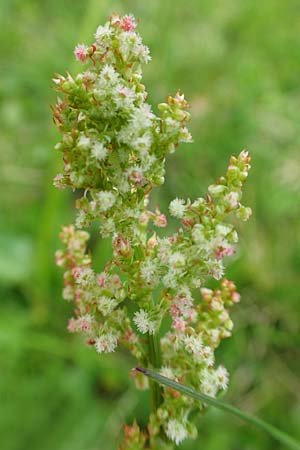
point(114, 149)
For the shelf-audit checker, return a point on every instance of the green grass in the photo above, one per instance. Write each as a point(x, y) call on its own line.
point(238, 64)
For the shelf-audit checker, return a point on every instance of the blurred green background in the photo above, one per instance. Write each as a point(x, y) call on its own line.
point(238, 64)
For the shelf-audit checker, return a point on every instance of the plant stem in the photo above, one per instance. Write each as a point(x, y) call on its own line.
point(155, 362)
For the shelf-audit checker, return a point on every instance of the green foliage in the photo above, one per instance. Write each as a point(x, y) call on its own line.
point(238, 64)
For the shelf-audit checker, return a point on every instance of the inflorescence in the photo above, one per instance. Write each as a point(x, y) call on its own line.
point(114, 149)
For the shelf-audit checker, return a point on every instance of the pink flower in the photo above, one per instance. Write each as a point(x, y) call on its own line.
point(188, 222)
point(174, 310)
point(136, 176)
point(221, 252)
point(179, 324)
point(176, 394)
point(236, 297)
point(81, 52)
point(181, 306)
point(128, 23)
point(84, 323)
point(76, 271)
point(160, 220)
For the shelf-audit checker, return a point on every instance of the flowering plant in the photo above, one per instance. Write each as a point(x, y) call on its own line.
point(114, 150)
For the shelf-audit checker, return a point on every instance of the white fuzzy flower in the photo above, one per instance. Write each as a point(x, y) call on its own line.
point(193, 344)
point(222, 377)
point(85, 277)
point(123, 185)
point(144, 54)
point(84, 142)
point(107, 342)
point(208, 383)
point(68, 293)
point(98, 151)
point(207, 356)
point(130, 42)
point(142, 118)
point(107, 227)
point(196, 282)
point(103, 32)
point(106, 305)
point(80, 219)
point(143, 323)
point(177, 208)
point(216, 269)
point(167, 372)
point(164, 250)
point(214, 335)
point(76, 179)
point(177, 259)
point(198, 234)
point(223, 229)
point(176, 431)
point(124, 97)
point(109, 73)
point(216, 304)
point(171, 279)
point(142, 143)
point(149, 270)
point(185, 135)
point(105, 199)
point(208, 387)
point(132, 213)
point(170, 124)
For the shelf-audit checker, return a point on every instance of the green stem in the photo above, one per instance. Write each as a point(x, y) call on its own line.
point(155, 362)
point(279, 435)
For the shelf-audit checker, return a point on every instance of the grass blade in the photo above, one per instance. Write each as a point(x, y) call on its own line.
point(279, 435)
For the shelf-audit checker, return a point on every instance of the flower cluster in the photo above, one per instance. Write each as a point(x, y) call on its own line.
point(114, 149)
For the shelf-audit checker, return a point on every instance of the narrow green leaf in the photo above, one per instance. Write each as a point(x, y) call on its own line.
point(274, 432)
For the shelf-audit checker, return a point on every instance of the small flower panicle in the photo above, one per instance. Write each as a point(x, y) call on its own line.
point(114, 150)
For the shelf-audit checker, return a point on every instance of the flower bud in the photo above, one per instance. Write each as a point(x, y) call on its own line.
point(122, 246)
point(244, 213)
point(216, 190)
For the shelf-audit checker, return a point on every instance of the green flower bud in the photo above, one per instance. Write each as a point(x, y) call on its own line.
point(243, 213)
